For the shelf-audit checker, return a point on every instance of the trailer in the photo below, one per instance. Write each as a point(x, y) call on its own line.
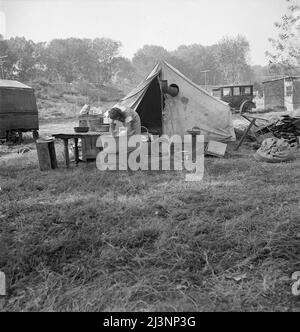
point(18, 110)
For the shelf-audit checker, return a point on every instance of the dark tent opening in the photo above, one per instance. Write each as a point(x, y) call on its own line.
point(150, 109)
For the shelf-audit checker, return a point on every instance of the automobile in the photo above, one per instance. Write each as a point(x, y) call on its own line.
point(239, 97)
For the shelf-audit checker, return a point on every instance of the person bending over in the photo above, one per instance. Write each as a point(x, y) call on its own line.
point(129, 119)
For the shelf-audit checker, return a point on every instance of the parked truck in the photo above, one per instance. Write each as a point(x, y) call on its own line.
point(18, 110)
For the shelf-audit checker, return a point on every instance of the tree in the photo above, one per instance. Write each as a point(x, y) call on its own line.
point(69, 59)
point(105, 50)
point(21, 58)
point(123, 70)
point(227, 61)
point(147, 57)
point(286, 48)
point(98, 61)
point(8, 60)
point(81, 59)
point(197, 58)
point(232, 57)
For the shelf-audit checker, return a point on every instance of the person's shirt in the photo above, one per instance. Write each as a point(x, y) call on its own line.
point(132, 122)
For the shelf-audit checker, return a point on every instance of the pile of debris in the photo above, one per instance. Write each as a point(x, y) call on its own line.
point(274, 150)
point(288, 128)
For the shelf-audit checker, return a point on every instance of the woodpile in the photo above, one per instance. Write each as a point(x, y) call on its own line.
point(287, 128)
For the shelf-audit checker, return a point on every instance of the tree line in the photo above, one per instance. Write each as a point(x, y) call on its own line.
point(98, 60)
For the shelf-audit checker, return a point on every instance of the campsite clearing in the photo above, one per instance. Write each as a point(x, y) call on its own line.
point(81, 239)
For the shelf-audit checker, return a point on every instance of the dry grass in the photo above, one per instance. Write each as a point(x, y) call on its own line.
point(84, 240)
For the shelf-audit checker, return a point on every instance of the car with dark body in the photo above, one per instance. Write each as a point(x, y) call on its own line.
point(239, 97)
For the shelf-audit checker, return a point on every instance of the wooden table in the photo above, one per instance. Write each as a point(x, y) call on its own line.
point(89, 149)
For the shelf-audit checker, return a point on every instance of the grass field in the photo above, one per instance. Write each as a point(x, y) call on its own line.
point(84, 240)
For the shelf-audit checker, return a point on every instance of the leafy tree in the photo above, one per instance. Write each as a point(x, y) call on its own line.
point(68, 59)
point(146, 58)
point(286, 48)
point(104, 50)
point(123, 70)
point(98, 61)
point(232, 59)
point(227, 61)
point(180, 64)
point(198, 58)
point(21, 58)
point(9, 60)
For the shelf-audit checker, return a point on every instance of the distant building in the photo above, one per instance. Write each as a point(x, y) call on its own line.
point(282, 93)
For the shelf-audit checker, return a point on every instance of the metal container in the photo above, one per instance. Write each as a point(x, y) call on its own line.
point(81, 129)
point(18, 108)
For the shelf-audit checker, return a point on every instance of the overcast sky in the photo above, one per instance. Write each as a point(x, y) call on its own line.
point(168, 23)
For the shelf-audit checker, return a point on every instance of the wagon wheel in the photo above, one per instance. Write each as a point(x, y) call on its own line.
point(35, 135)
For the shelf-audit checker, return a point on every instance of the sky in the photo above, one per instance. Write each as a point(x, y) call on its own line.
point(169, 23)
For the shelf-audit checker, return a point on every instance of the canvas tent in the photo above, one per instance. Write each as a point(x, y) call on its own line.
point(192, 107)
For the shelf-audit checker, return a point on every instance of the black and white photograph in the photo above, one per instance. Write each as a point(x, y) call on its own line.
point(149, 159)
